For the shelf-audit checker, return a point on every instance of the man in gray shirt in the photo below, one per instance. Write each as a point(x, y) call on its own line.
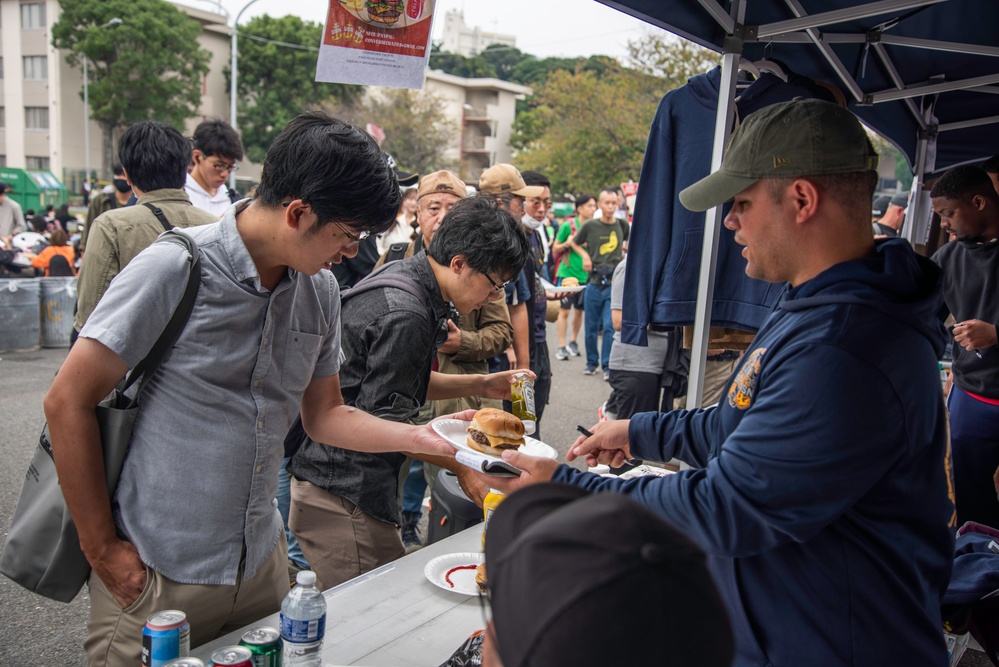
point(192, 524)
point(11, 217)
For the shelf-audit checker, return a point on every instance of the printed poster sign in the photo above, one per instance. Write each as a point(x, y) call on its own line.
point(376, 42)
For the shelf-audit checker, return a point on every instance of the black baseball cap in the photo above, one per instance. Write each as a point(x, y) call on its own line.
point(3, 187)
point(880, 206)
point(405, 178)
point(803, 137)
point(565, 566)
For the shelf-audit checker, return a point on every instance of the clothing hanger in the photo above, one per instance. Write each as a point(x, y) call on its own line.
point(767, 65)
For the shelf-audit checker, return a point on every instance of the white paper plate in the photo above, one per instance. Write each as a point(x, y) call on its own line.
point(453, 430)
point(464, 580)
point(568, 289)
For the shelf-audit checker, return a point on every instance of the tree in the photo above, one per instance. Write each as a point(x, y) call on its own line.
point(474, 67)
point(669, 58)
point(148, 67)
point(417, 132)
point(886, 149)
point(578, 142)
point(587, 127)
point(276, 79)
point(504, 59)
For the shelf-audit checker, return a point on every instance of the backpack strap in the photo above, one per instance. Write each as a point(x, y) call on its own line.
point(160, 215)
point(379, 278)
point(395, 252)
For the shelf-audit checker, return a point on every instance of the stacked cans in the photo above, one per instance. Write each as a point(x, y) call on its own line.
point(166, 637)
point(265, 645)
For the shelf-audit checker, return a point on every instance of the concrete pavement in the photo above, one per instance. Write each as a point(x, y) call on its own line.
point(35, 631)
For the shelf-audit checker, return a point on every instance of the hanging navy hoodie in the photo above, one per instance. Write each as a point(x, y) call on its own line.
point(822, 490)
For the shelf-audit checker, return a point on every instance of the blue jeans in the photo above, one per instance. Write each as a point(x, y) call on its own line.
point(596, 306)
point(414, 488)
point(295, 554)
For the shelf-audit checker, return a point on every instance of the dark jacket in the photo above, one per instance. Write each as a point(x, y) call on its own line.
point(822, 492)
point(971, 292)
point(389, 338)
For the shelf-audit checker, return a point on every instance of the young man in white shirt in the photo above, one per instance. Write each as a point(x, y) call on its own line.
point(217, 152)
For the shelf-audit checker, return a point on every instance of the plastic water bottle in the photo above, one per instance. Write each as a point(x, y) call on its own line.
point(303, 623)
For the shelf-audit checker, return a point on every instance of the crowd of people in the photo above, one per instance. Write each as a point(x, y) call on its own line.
point(346, 304)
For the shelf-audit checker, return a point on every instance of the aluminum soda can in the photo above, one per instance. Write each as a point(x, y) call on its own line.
point(414, 9)
point(186, 662)
point(166, 637)
point(232, 656)
point(265, 644)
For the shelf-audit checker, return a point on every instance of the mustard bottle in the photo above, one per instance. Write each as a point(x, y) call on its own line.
point(489, 505)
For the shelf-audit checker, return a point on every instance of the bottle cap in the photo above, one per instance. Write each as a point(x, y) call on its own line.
point(306, 578)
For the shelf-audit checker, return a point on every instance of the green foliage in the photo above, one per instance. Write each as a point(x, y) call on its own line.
point(276, 82)
point(585, 131)
point(504, 59)
point(474, 67)
point(669, 58)
point(149, 67)
point(886, 149)
point(417, 131)
point(587, 125)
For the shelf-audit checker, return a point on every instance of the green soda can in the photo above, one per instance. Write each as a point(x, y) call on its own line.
point(265, 644)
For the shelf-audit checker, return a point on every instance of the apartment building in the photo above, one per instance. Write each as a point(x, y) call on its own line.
point(483, 110)
point(41, 108)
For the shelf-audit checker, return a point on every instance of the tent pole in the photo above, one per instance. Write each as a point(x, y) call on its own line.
point(916, 212)
point(712, 230)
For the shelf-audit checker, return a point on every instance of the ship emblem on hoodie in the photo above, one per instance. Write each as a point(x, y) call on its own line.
point(740, 394)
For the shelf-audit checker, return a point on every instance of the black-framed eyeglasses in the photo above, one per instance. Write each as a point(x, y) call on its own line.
point(222, 168)
point(352, 239)
point(496, 288)
point(485, 607)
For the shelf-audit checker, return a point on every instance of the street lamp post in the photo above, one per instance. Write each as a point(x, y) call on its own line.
point(233, 62)
point(86, 104)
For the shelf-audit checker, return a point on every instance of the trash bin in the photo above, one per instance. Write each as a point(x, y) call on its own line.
point(20, 325)
point(450, 509)
point(58, 297)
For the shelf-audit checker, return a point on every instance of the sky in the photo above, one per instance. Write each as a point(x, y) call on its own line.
point(543, 28)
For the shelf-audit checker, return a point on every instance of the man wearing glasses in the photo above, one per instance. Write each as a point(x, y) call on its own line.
point(217, 151)
point(192, 523)
point(345, 504)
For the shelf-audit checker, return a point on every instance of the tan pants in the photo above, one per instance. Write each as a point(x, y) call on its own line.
point(114, 635)
point(716, 375)
point(338, 539)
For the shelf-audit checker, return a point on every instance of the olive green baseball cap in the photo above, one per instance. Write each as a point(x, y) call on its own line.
point(798, 138)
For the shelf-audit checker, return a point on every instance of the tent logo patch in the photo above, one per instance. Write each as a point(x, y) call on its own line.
point(740, 394)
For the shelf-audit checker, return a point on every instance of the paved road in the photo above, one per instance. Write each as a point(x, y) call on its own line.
point(35, 631)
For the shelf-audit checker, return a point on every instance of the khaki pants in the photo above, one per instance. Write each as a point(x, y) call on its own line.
point(716, 374)
point(114, 635)
point(338, 539)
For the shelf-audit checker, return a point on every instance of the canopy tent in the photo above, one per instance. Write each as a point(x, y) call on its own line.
point(922, 73)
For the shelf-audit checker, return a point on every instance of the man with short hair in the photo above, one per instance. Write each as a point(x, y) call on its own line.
point(604, 240)
point(475, 337)
point(345, 504)
point(968, 206)
point(260, 347)
point(890, 223)
point(216, 155)
point(820, 489)
point(504, 184)
point(154, 159)
point(114, 196)
point(535, 211)
point(11, 216)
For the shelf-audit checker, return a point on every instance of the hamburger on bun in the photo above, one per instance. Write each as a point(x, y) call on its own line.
point(480, 577)
point(492, 431)
point(570, 282)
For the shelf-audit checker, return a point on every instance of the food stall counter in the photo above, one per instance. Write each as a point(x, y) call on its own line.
point(392, 616)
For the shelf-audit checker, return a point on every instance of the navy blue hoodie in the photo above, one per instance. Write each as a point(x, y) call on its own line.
point(822, 493)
